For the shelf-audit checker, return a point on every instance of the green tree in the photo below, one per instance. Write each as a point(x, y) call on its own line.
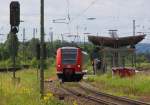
point(32, 47)
point(12, 44)
point(3, 52)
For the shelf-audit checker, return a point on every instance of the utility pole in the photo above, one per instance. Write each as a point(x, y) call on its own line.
point(42, 50)
point(62, 39)
point(51, 40)
point(33, 32)
point(85, 29)
point(84, 41)
point(133, 27)
point(51, 36)
point(36, 31)
point(134, 54)
point(24, 45)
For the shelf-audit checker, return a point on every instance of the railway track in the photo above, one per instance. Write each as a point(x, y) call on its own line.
point(84, 93)
point(117, 100)
point(88, 97)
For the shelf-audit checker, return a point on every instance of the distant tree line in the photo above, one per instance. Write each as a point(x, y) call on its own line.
point(27, 51)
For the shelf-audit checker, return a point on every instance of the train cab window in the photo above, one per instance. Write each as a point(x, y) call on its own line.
point(69, 56)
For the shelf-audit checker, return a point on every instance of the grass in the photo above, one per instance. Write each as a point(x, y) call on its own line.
point(144, 65)
point(134, 87)
point(25, 92)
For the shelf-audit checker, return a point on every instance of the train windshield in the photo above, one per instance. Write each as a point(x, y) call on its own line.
point(69, 56)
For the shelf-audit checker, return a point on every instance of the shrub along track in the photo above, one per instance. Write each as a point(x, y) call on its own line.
point(11, 69)
point(84, 94)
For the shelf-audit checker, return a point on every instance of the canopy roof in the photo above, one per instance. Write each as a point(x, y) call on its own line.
point(112, 42)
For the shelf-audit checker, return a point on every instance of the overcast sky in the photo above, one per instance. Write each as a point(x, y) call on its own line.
point(109, 14)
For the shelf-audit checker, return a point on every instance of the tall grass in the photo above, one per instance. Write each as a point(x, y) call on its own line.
point(25, 92)
point(132, 86)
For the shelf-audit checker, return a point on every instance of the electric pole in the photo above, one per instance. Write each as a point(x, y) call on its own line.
point(24, 45)
point(51, 41)
point(62, 40)
point(33, 32)
point(134, 54)
point(133, 27)
point(42, 50)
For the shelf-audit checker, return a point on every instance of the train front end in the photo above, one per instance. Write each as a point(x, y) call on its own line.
point(69, 64)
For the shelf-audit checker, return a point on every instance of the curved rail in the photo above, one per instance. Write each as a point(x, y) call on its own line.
point(89, 97)
point(121, 99)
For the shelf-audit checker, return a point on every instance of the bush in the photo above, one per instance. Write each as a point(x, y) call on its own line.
point(34, 63)
point(6, 63)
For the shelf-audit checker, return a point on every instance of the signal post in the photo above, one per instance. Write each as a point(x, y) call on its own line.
point(14, 22)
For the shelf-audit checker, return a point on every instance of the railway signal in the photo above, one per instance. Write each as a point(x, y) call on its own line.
point(14, 30)
point(14, 22)
point(14, 13)
point(14, 16)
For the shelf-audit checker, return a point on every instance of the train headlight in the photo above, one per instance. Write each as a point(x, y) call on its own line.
point(58, 65)
point(79, 66)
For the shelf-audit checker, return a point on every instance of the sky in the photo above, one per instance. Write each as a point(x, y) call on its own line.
point(108, 14)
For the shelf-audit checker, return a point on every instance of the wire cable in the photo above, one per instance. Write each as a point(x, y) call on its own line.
point(68, 10)
point(85, 10)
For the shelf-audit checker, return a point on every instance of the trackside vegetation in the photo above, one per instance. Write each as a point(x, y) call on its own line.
point(25, 91)
point(133, 87)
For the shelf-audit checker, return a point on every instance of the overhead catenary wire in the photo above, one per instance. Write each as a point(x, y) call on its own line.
point(68, 10)
point(68, 16)
point(85, 10)
point(70, 20)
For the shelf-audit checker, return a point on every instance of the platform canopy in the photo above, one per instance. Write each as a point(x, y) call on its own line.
point(119, 42)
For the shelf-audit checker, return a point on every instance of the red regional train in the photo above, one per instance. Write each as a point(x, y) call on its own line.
point(70, 63)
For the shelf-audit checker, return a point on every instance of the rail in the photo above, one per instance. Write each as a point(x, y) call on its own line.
point(88, 97)
point(121, 99)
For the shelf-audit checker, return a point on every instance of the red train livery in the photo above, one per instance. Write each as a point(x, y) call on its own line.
point(70, 64)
